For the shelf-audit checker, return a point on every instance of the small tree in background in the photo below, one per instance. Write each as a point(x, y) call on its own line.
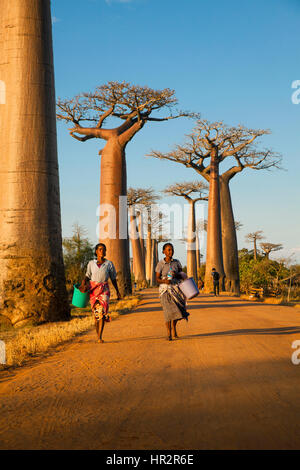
point(253, 238)
point(268, 248)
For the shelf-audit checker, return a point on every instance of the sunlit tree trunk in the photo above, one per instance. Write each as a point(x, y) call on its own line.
point(141, 236)
point(138, 262)
point(214, 255)
point(191, 243)
point(255, 249)
point(32, 279)
point(149, 254)
point(154, 262)
point(198, 253)
point(229, 240)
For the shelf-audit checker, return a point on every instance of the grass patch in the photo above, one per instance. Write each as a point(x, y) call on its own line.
point(30, 341)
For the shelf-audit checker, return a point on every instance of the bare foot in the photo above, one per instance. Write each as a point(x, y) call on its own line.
point(100, 341)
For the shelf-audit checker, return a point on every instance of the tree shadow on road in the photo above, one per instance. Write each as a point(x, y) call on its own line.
point(217, 305)
point(196, 306)
point(289, 330)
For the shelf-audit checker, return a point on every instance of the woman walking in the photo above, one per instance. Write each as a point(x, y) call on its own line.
point(168, 274)
point(96, 280)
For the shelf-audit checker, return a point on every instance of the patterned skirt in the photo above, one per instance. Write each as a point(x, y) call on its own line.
point(99, 299)
point(173, 303)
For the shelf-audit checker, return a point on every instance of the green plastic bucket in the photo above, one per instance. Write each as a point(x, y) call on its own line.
point(80, 299)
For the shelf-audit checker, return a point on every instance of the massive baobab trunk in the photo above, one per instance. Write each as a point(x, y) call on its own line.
point(32, 279)
point(191, 243)
point(214, 255)
point(229, 240)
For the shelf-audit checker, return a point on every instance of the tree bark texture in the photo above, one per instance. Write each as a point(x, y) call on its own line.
point(229, 240)
point(214, 254)
point(32, 279)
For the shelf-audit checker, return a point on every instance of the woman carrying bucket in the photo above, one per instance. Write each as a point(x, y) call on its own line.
point(96, 279)
point(168, 275)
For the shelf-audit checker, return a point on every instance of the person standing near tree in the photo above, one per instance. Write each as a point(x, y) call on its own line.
point(200, 283)
point(98, 273)
point(216, 281)
point(168, 274)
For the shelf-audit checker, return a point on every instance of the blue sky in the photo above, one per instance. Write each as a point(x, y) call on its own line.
point(229, 60)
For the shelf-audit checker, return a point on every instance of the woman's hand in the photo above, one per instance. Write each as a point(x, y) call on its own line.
point(84, 286)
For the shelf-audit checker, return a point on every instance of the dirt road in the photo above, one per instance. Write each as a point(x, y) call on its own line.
point(227, 383)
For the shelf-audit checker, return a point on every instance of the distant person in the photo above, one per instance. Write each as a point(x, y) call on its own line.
point(200, 283)
point(168, 274)
point(96, 281)
point(216, 280)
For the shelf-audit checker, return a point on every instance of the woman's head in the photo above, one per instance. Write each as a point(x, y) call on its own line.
point(168, 249)
point(100, 250)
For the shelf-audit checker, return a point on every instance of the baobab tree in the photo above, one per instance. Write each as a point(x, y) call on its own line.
point(136, 199)
point(238, 225)
point(201, 226)
point(134, 105)
point(253, 238)
point(213, 143)
point(268, 248)
point(187, 190)
point(32, 278)
point(152, 221)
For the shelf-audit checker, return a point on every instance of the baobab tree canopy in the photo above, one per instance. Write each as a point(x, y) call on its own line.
point(236, 142)
point(267, 248)
point(132, 103)
point(187, 189)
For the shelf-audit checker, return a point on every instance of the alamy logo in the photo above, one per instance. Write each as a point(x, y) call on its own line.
point(2, 353)
point(296, 94)
point(296, 354)
point(2, 92)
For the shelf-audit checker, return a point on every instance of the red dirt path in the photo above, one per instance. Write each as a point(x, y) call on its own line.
point(227, 383)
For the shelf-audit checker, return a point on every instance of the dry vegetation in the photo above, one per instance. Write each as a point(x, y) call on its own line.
point(31, 341)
